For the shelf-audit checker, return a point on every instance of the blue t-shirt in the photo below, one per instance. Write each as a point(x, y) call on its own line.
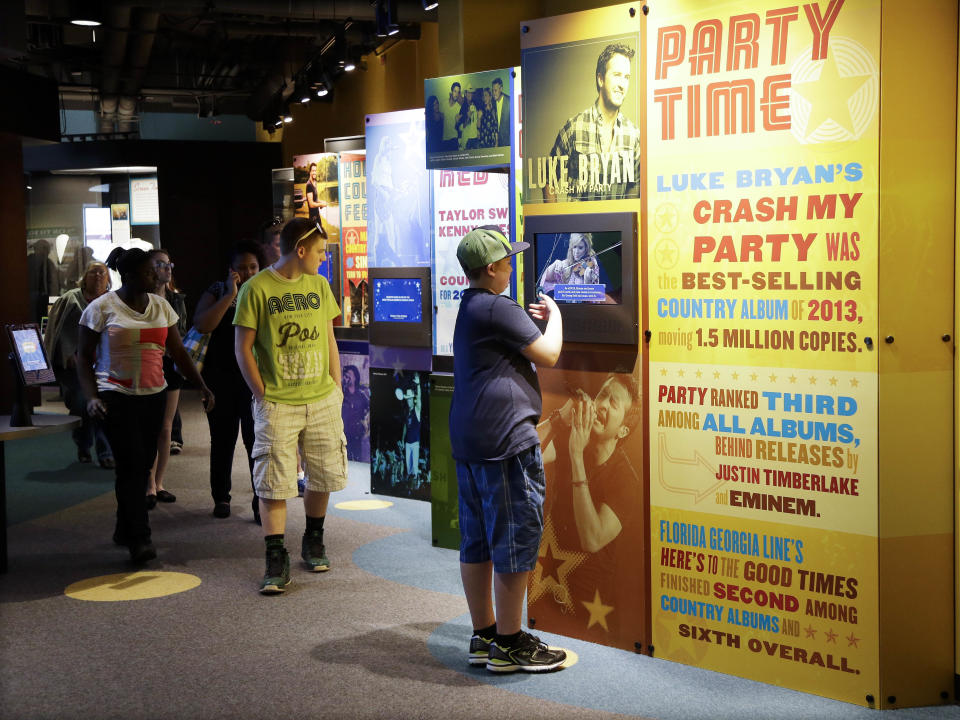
point(496, 395)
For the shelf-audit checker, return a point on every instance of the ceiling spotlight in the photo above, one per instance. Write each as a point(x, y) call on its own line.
point(305, 98)
point(429, 5)
point(288, 118)
point(322, 90)
point(349, 65)
point(386, 17)
point(85, 13)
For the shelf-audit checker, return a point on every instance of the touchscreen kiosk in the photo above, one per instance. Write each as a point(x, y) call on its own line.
point(588, 265)
point(30, 367)
point(401, 313)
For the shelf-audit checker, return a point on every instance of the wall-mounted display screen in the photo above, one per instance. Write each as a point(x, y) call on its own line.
point(398, 300)
point(588, 264)
point(402, 311)
point(580, 267)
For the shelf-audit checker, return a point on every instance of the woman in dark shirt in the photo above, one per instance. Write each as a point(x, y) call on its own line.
point(214, 315)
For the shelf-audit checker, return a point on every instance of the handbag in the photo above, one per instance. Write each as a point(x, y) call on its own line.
point(196, 343)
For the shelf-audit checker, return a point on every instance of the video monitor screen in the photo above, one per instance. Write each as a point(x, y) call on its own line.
point(580, 267)
point(30, 349)
point(397, 300)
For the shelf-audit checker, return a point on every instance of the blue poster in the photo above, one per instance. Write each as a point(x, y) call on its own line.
point(398, 190)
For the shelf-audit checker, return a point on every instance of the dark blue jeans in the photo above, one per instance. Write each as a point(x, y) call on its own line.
point(132, 425)
point(90, 433)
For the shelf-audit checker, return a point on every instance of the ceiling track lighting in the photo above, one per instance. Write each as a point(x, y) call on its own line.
point(429, 5)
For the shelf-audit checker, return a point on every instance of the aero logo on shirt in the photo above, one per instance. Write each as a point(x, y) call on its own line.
point(289, 302)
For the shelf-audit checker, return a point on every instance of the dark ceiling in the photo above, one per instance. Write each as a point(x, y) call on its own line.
point(237, 56)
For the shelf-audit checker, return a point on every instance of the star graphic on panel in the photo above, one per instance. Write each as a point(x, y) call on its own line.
point(854, 382)
point(811, 633)
point(833, 381)
point(377, 356)
point(666, 218)
point(553, 566)
point(680, 373)
point(793, 379)
point(663, 371)
point(813, 380)
point(699, 374)
point(773, 378)
point(853, 641)
point(398, 367)
point(831, 636)
point(549, 565)
point(667, 253)
point(735, 376)
point(598, 611)
point(716, 374)
point(414, 142)
point(829, 96)
point(753, 376)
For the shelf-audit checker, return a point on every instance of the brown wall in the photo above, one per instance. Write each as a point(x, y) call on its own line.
point(13, 230)
point(393, 81)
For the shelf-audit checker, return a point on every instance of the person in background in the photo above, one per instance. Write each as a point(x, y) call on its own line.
point(312, 195)
point(270, 242)
point(501, 103)
point(487, 121)
point(434, 125)
point(493, 433)
point(164, 274)
point(356, 409)
point(288, 356)
point(60, 340)
point(214, 315)
point(451, 114)
point(123, 337)
point(412, 405)
point(469, 136)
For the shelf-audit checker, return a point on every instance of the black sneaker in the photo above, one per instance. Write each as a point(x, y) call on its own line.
point(313, 552)
point(527, 654)
point(221, 510)
point(142, 552)
point(277, 576)
point(479, 649)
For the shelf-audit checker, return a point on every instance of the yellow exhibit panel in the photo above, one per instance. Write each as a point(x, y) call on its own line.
point(787, 178)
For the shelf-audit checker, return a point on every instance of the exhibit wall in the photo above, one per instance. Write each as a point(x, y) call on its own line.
point(398, 190)
point(766, 378)
point(353, 231)
point(591, 579)
point(461, 202)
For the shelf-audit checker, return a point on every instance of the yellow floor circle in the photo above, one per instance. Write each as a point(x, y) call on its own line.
point(141, 585)
point(363, 505)
point(572, 657)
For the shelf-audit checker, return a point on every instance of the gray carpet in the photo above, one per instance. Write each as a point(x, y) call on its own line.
point(382, 635)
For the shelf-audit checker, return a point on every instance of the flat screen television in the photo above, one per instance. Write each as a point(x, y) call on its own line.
point(588, 265)
point(401, 311)
point(28, 354)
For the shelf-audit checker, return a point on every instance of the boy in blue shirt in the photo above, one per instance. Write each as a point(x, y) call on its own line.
point(493, 432)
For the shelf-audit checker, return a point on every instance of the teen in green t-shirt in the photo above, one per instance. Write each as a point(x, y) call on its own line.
point(288, 356)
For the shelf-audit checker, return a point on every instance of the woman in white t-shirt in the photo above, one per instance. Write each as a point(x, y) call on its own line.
point(123, 335)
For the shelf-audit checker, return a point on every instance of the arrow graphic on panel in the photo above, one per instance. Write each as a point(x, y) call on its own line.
point(686, 476)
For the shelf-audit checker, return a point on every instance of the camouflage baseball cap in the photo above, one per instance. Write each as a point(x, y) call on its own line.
point(484, 245)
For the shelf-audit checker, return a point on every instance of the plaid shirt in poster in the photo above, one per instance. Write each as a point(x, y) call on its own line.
point(610, 173)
